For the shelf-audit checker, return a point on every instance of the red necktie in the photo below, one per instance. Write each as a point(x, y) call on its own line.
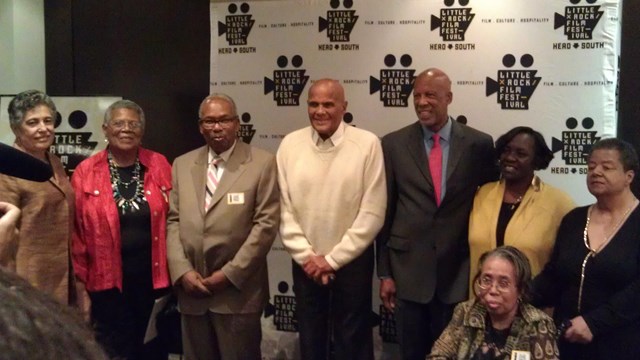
point(435, 166)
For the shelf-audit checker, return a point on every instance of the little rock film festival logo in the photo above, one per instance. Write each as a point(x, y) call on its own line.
point(287, 85)
point(73, 147)
point(453, 24)
point(283, 309)
point(236, 29)
point(578, 23)
point(394, 85)
point(514, 87)
point(574, 145)
point(246, 131)
point(339, 24)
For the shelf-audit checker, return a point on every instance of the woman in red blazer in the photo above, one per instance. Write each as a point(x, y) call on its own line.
point(119, 248)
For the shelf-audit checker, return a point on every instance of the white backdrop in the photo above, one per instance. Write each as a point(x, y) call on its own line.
point(548, 64)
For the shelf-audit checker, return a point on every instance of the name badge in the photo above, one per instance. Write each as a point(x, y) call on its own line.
point(235, 198)
point(520, 355)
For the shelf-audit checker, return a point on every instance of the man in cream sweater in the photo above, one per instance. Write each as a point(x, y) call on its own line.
point(333, 201)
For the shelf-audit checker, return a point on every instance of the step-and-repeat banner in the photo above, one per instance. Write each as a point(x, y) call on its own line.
point(548, 64)
point(78, 127)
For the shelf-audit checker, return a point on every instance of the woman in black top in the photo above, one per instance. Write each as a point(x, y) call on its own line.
point(593, 277)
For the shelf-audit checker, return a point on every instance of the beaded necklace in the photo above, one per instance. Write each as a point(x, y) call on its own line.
point(123, 203)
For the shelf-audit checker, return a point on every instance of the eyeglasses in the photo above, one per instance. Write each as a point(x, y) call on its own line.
point(486, 283)
point(120, 124)
point(210, 123)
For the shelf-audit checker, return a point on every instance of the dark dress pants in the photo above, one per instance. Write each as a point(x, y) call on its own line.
point(340, 312)
point(120, 321)
point(420, 325)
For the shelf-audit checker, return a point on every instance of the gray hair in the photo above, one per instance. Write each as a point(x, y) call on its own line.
point(123, 104)
point(26, 101)
point(521, 267)
point(218, 96)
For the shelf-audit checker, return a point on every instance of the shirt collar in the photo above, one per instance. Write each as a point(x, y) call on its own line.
point(445, 131)
point(224, 155)
point(334, 139)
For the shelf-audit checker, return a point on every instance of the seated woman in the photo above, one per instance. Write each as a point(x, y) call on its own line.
point(499, 322)
point(593, 277)
point(519, 210)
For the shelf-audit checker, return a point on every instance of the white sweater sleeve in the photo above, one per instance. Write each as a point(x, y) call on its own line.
point(370, 216)
point(291, 234)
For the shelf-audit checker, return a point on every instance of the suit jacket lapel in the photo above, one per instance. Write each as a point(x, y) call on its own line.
point(232, 171)
point(415, 145)
point(55, 178)
point(457, 147)
point(199, 175)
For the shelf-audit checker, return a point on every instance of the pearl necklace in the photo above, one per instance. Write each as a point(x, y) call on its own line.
point(123, 203)
point(593, 252)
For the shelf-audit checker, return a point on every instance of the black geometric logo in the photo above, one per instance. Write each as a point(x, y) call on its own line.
point(283, 310)
point(339, 23)
point(246, 130)
point(514, 87)
point(73, 147)
point(578, 21)
point(575, 145)
point(453, 22)
point(287, 85)
point(237, 27)
point(395, 85)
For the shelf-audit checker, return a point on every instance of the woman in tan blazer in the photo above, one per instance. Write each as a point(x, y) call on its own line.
point(42, 253)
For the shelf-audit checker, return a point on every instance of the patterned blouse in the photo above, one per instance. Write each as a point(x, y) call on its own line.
point(466, 336)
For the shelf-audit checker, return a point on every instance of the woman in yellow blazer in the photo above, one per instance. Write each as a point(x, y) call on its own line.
point(519, 209)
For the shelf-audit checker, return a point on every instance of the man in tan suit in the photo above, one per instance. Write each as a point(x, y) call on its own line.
point(223, 218)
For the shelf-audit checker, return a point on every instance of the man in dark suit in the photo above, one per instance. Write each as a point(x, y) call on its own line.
point(224, 215)
point(423, 253)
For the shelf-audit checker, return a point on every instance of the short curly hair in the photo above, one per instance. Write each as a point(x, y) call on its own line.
point(26, 101)
point(123, 104)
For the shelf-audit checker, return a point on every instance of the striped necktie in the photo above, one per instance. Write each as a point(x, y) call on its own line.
point(212, 181)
